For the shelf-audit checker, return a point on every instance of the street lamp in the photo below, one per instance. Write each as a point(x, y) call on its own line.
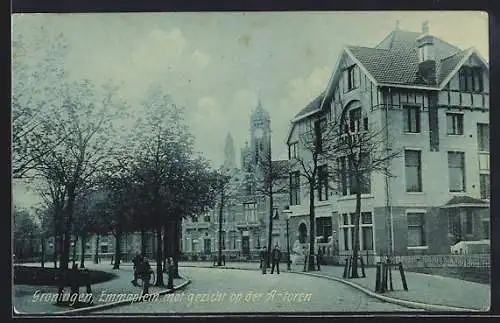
point(287, 219)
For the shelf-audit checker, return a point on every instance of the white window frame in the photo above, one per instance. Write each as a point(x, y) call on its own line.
point(420, 211)
point(350, 231)
point(453, 115)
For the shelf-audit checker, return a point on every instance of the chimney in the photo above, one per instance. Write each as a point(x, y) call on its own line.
point(427, 56)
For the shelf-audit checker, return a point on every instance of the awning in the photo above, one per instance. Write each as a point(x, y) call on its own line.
point(465, 201)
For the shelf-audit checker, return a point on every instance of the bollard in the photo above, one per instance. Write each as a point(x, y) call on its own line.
point(362, 266)
point(377, 278)
point(403, 278)
point(383, 279)
point(345, 268)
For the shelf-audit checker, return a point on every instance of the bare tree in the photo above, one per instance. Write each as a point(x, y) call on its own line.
point(271, 180)
point(222, 189)
point(357, 150)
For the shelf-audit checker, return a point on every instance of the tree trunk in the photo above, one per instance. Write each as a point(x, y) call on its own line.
point(42, 258)
point(96, 255)
point(270, 237)
point(159, 257)
point(166, 245)
point(82, 260)
point(56, 237)
point(74, 252)
point(67, 232)
point(312, 235)
point(118, 249)
point(221, 210)
point(355, 248)
point(176, 248)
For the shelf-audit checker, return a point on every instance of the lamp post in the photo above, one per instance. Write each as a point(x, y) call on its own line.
point(287, 219)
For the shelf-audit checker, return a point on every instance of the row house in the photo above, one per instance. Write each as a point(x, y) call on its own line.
point(432, 100)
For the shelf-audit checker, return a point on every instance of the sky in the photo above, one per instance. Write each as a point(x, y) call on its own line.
point(216, 65)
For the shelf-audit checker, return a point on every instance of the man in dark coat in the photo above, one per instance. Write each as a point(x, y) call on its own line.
point(276, 257)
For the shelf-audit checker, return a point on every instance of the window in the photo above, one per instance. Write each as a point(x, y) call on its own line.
point(412, 119)
point(234, 236)
point(104, 248)
point(206, 218)
point(469, 220)
point(455, 123)
point(295, 188)
point(323, 183)
point(470, 79)
point(456, 171)
point(194, 218)
point(365, 232)
point(364, 174)
point(354, 120)
point(292, 150)
point(319, 128)
point(483, 137)
point(352, 81)
point(416, 233)
point(413, 171)
point(324, 228)
point(249, 211)
point(484, 185)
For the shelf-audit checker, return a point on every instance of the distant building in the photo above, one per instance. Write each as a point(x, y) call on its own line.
point(434, 97)
point(246, 217)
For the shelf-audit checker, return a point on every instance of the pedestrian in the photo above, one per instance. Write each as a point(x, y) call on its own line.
point(276, 257)
point(145, 272)
point(137, 260)
point(319, 258)
point(263, 261)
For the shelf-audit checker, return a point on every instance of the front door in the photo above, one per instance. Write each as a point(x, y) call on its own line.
point(245, 246)
point(207, 246)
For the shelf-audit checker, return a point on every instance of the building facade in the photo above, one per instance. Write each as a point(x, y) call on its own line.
point(432, 99)
point(245, 216)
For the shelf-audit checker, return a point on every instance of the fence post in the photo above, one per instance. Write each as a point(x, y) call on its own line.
point(383, 282)
point(345, 268)
point(403, 278)
point(377, 278)
point(362, 266)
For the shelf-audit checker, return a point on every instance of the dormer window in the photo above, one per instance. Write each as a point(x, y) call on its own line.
point(424, 53)
point(470, 79)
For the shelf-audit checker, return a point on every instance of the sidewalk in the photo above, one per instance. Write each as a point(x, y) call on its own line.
point(422, 288)
point(28, 299)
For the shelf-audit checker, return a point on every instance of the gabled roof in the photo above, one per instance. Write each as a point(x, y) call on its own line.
point(396, 59)
point(394, 62)
point(313, 106)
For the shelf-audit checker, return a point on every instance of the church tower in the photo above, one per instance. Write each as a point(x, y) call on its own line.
point(229, 154)
point(260, 132)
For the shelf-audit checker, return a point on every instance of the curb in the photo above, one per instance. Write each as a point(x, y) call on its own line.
point(397, 301)
point(120, 303)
